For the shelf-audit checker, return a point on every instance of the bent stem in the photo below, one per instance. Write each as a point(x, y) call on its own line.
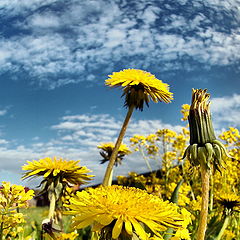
point(205, 173)
point(116, 148)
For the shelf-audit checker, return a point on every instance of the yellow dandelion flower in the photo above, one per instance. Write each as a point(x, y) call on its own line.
point(68, 170)
point(230, 202)
point(139, 86)
point(116, 211)
point(107, 149)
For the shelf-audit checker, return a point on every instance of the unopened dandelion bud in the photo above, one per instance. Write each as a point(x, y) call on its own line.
point(203, 143)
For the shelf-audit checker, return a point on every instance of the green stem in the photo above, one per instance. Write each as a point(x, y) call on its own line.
point(117, 145)
point(1, 230)
point(211, 195)
point(52, 206)
point(224, 226)
point(205, 199)
point(145, 159)
point(110, 178)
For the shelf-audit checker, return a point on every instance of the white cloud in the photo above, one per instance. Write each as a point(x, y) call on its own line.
point(3, 112)
point(226, 111)
point(44, 21)
point(14, 7)
point(86, 36)
point(3, 141)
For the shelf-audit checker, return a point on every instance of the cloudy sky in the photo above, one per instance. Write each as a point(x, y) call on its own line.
point(55, 56)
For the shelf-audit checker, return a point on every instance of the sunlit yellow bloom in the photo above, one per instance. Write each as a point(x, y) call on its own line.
point(180, 142)
point(166, 135)
point(107, 149)
point(195, 205)
point(182, 235)
point(68, 170)
point(139, 86)
point(185, 111)
point(137, 141)
point(229, 235)
point(11, 197)
point(152, 149)
point(230, 202)
point(151, 138)
point(231, 136)
point(67, 236)
point(119, 210)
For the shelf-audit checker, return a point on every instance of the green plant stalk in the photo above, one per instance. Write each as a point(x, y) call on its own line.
point(116, 148)
point(205, 175)
point(145, 159)
point(110, 178)
point(211, 195)
point(1, 231)
point(224, 226)
point(174, 199)
point(52, 206)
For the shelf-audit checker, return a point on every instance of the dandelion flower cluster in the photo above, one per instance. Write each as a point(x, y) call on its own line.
point(11, 197)
point(116, 210)
point(139, 86)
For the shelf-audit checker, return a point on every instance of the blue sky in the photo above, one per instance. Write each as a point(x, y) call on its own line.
point(55, 56)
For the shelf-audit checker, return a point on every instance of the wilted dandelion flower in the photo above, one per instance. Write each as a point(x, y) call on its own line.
point(117, 211)
point(68, 170)
point(139, 86)
point(107, 149)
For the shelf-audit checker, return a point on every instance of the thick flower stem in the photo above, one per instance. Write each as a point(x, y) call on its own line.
point(52, 206)
point(224, 226)
point(205, 174)
point(116, 148)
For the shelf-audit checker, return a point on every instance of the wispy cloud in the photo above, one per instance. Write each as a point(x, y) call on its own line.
point(226, 111)
point(56, 47)
point(3, 112)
